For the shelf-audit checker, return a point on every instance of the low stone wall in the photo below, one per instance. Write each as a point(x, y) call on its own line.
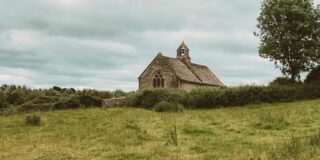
point(113, 102)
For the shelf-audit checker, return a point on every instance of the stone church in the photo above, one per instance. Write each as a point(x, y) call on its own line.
point(179, 73)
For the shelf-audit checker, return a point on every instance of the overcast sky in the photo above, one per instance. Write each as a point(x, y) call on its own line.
point(106, 44)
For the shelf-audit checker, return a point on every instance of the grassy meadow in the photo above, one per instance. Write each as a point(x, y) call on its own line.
point(266, 131)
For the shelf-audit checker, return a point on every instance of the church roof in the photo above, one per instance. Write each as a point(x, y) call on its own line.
point(181, 70)
point(183, 46)
point(193, 73)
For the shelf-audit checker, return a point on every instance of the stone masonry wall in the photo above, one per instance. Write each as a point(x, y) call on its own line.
point(146, 80)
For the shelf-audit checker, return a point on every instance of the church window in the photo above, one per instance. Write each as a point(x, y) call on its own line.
point(158, 81)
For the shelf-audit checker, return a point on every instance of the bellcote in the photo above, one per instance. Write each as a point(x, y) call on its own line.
point(183, 53)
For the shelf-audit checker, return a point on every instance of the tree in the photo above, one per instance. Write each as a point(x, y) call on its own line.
point(286, 34)
point(3, 102)
point(316, 37)
point(313, 77)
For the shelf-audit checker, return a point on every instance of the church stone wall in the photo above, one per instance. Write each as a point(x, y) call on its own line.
point(189, 86)
point(170, 79)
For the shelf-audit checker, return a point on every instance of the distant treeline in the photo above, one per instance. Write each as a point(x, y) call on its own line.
point(20, 98)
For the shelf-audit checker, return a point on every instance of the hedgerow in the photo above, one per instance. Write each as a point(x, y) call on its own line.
point(225, 97)
point(23, 99)
point(58, 98)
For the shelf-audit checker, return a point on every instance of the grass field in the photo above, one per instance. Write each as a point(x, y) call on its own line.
point(267, 131)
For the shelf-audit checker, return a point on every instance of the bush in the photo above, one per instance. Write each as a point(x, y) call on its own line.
point(33, 120)
point(42, 103)
point(44, 99)
point(149, 98)
point(168, 107)
point(284, 81)
point(3, 102)
point(313, 77)
point(22, 99)
point(51, 93)
point(88, 101)
point(31, 107)
point(220, 97)
point(15, 97)
point(10, 110)
point(224, 97)
point(69, 103)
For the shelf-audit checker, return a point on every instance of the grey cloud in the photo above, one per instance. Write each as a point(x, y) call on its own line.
point(106, 44)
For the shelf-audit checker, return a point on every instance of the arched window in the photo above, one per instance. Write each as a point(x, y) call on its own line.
point(158, 80)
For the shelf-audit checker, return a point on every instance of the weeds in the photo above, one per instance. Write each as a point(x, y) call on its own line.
point(196, 131)
point(33, 120)
point(315, 140)
point(172, 136)
point(294, 146)
point(270, 121)
point(125, 133)
point(140, 134)
point(299, 148)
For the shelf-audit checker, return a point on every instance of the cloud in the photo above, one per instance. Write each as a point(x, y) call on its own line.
point(106, 44)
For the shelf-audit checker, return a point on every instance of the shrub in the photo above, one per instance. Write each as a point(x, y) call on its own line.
point(3, 102)
point(30, 107)
point(313, 77)
point(88, 101)
point(33, 120)
point(220, 97)
point(56, 88)
point(15, 97)
point(10, 110)
point(44, 99)
point(51, 93)
point(149, 98)
point(42, 103)
point(68, 103)
point(204, 97)
point(224, 97)
point(168, 107)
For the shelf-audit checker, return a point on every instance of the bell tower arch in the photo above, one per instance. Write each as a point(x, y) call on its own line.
point(183, 53)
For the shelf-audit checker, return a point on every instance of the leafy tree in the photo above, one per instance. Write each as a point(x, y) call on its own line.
point(286, 34)
point(316, 37)
point(313, 77)
point(119, 93)
point(3, 102)
point(15, 94)
point(56, 88)
point(4, 87)
point(69, 91)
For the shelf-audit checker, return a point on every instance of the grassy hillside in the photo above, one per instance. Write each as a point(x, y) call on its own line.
point(277, 131)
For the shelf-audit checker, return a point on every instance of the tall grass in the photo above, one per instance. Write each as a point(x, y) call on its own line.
point(131, 133)
point(268, 120)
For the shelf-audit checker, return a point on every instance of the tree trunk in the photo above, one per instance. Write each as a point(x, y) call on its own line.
point(293, 77)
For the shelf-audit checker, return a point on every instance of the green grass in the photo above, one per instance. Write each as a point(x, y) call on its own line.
point(268, 131)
